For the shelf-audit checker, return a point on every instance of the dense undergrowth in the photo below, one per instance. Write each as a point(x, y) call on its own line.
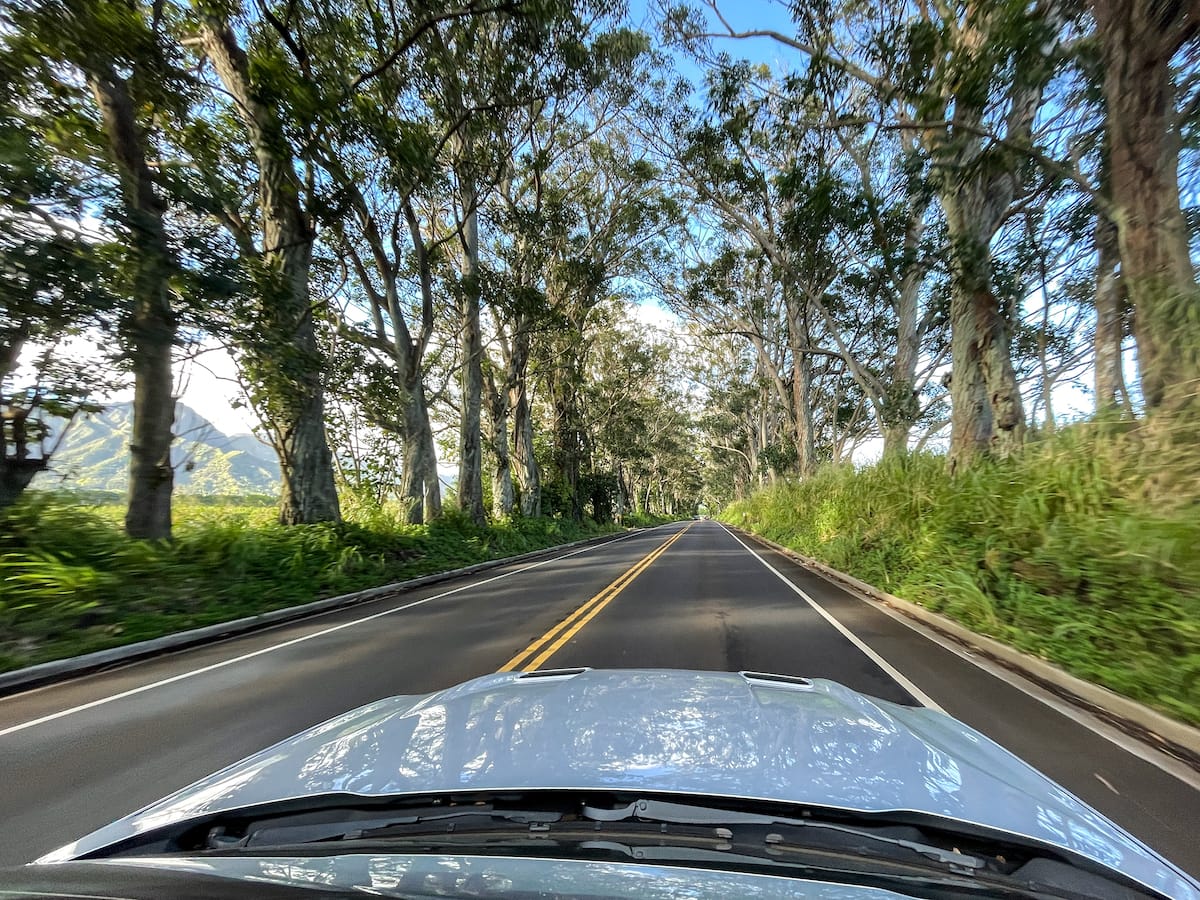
point(71, 582)
point(1084, 550)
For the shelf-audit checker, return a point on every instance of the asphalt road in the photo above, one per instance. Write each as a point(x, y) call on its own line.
point(77, 755)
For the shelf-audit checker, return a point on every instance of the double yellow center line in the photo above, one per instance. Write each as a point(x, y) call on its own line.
point(557, 636)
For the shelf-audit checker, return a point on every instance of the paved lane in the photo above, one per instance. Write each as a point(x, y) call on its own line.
point(690, 595)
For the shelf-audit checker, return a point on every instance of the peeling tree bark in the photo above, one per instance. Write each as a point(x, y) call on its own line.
point(980, 343)
point(420, 488)
point(977, 185)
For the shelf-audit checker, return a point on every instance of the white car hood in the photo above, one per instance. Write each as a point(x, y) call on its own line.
point(717, 734)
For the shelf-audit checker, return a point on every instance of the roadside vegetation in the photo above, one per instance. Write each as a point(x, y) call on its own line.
point(72, 582)
point(1081, 549)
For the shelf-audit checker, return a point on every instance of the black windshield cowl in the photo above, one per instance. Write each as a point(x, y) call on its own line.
point(909, 853)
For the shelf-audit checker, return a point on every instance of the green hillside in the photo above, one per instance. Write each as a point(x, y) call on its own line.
point(95, 456)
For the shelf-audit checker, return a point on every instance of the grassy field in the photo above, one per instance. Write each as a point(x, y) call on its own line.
point(71, 582)
point(1084, 550)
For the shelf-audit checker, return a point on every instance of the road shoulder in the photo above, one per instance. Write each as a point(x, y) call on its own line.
point(59, 670)
point(1157, 733)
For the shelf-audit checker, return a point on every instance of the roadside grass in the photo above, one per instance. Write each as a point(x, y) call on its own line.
point(71, 582)
point(1083, 550)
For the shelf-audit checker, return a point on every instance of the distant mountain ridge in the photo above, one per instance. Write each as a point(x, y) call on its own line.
point(95, 456)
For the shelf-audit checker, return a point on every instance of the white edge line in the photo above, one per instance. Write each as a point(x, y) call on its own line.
point(101, 701)
point(919, 695)
point(1145, 752)
point(1131, 745)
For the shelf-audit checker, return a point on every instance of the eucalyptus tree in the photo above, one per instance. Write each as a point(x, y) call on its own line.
point(972, 74)
point(516, 74)
point(577, 102)
point(967, 81)
point(821, 243)
point(887, 296)
point(638, 422)
point(1148, 55)
point(497, 65)
point(336, 109)
point(732, 292)
point(264, 81)
point(384, 216)
point(616, 218)
point(736, 164)
point(104, 77)
point(739, 421)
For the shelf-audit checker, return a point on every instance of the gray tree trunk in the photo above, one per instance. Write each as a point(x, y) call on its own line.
point(1138, 39)
point(901, 408)
point(151, 327)
point(503, 495)
point(470, 451)
point(801, 393)
point(420, 490)
point(529, 475)
point(1110, 321)
point(283, 351)
point(976, 193)
point(981, 355)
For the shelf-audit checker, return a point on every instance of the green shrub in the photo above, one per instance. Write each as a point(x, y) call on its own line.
point(1082, 549)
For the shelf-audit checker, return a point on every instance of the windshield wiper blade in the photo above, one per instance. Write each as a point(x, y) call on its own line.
point(686, 814)
point(301, 829)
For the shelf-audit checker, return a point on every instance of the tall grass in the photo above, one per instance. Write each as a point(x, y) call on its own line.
point(1084, 550)
point(71, 582)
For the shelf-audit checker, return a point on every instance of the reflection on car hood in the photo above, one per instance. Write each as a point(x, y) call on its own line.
point(392, 875)
point(717, 734)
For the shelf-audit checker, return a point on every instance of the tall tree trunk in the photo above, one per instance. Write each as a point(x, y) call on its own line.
point(420, 489)
point(971, 413)
point(562, 383)
point(801, 386)
point(529, 475)
point(977, 189)
point(151, 327)
point(1110, 320)
point(503, 495)
point(429, 474)
point(470, 452)
point(567, 449)
point(987, 413)
point(516, 395)
point(282, 346)
point(1138, 38)
point(412, 476)
point(900, 406)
